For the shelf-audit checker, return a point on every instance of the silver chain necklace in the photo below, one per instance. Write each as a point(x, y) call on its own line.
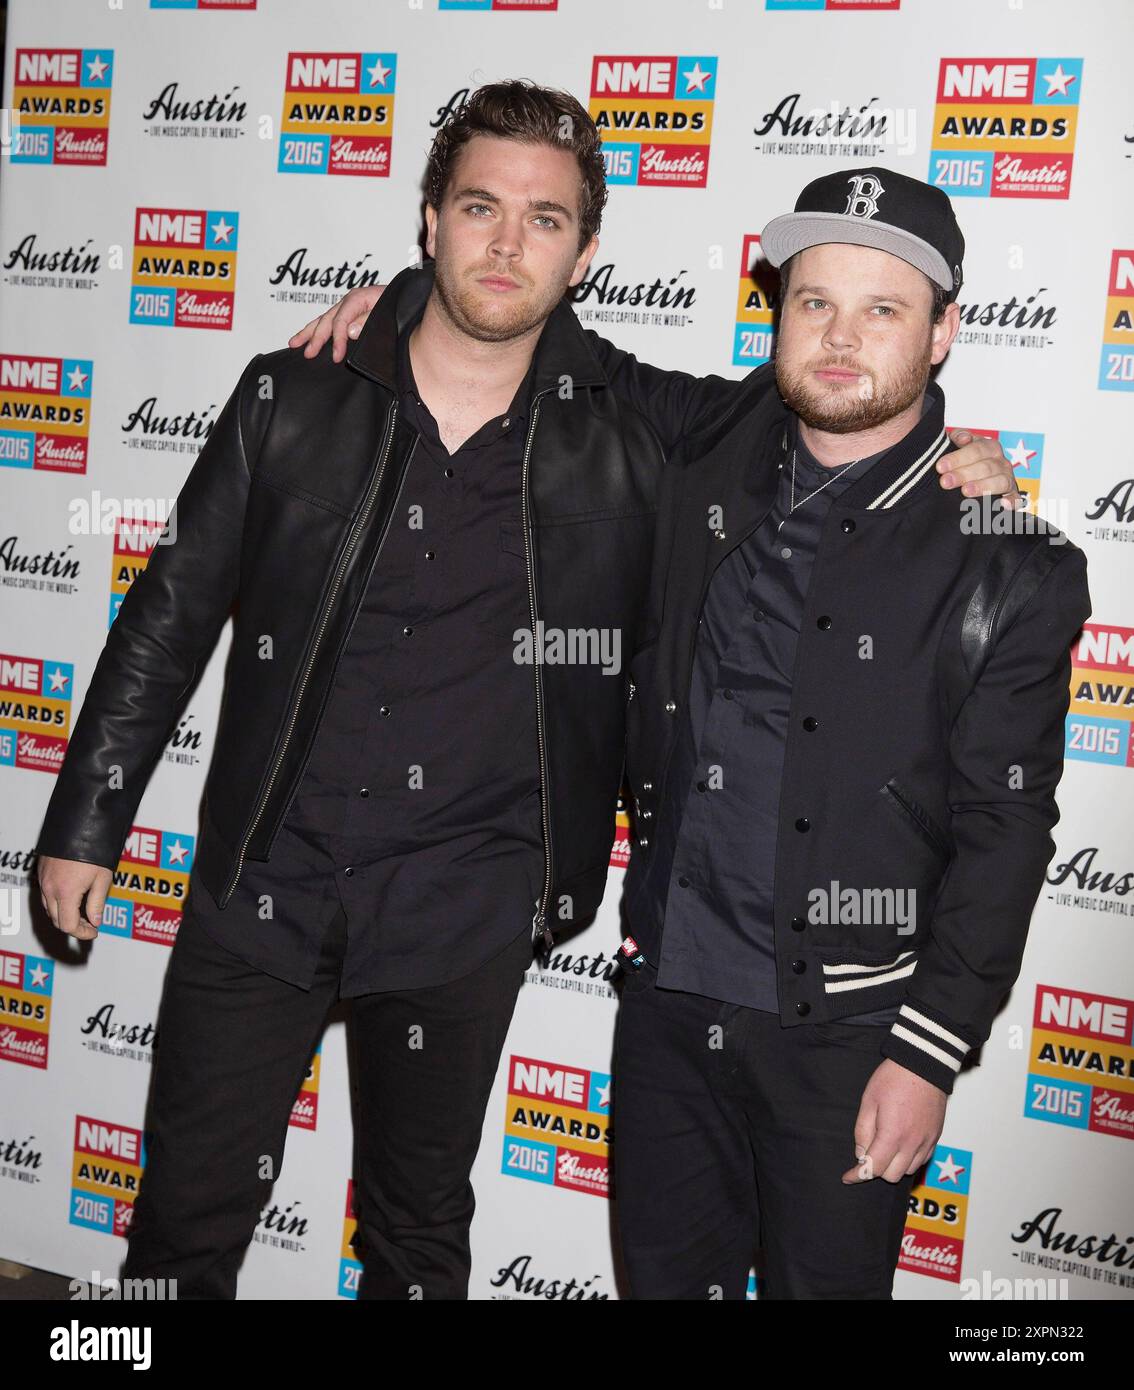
point(794, 504)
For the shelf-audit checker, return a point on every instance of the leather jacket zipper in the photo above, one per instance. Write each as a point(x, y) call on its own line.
point(348, 552)
point(540, 930)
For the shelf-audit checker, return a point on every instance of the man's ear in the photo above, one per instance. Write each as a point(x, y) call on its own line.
point(944, 331)
point(430, 230)
point(586, 255)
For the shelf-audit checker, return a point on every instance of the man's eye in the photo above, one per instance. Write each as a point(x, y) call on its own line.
point(809, 303)
point(884, 309)
point(548, 221)
point(482, 207)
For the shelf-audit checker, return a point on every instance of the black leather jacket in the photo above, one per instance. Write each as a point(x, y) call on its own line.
point(283, 515)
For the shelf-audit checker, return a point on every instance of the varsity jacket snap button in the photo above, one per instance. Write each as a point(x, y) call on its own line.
point(823, 623)
point(798, 967)
point(647, 786)
point(798, 924)
point(670, 707)
point(848, 525)
point(803, 1008)
point(811, 724)
point(803, 825)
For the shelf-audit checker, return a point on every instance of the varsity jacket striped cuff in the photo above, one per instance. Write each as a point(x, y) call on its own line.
point(924, 1045)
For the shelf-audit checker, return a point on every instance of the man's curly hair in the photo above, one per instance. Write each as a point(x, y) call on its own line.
point(519, 110)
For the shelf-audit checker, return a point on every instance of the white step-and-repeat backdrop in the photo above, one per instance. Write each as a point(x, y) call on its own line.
point(185, 182)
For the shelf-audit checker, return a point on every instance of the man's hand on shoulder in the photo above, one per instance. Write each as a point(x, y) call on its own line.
point(342, 321)
point(979, 468)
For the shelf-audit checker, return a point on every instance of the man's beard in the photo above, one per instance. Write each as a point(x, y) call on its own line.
point(849, 409)
point(464, 305)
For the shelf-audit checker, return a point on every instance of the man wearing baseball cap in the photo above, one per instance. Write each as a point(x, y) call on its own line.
point(844, 741)
point(818, 698)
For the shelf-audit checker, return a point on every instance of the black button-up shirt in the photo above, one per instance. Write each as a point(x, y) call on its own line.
point(419, 807)
point(711, 882)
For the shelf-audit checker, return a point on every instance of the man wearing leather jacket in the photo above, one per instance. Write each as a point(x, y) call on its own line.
point(400, 800)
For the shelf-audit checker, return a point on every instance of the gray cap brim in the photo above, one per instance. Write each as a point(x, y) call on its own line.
point(796, 231)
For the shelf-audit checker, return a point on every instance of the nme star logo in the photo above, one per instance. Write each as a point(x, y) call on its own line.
point(557, 1126)
point(1005, 127)
point(45, 412)
point(655, 116)
point(62, 97)
point(752, 340)
point(25, 1008)
point(1023, 451)
point(934, 1238)
point(1116, 372)
point(35, 712)
point(1100, 721)
point(350, 1266)
point(338, 113)
point(184, 273)
point(105, 1175)
point(147, 893)
point(1081, 1070)
point(134, 540)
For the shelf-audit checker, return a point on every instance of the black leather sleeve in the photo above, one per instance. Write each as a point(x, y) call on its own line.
point(675, 403)
point(167, 624)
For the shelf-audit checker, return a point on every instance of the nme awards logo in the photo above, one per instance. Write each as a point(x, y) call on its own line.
point(35, 712)
point(105, 1175)
point(25, 1008)
point(498, 4)
point(147, 893)
point(134, 539)
point(1116, 372)
point(557, 1126)
point(655, 116)
point(620, 849)
point(350, 1266)
point(1005, 127)
point(338, 113)
point(62, 97)
point(184, 272)
point(832, 4)
point(752, 339)
point(934, 1238)
point(1099, 721)
point(1081, 1069)
point(45, 412)
point(305, 1109)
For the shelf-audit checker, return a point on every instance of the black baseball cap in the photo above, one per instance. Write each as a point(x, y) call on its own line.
point(874, 207)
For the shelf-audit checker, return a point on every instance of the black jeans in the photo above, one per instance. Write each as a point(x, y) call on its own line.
point(233, 1048)
point(732, 1131)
